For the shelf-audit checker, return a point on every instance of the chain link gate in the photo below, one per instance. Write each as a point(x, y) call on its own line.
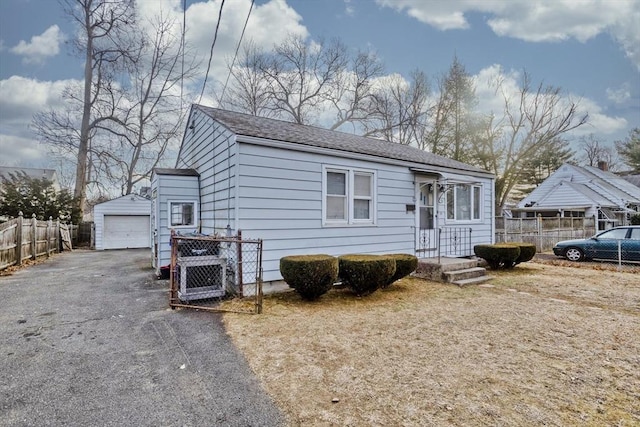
point(216, 273)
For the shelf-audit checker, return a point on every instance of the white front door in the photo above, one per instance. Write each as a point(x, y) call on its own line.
point(427, 233)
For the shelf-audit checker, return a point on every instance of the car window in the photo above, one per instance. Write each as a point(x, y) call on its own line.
point(635, 233)
point(618, 233)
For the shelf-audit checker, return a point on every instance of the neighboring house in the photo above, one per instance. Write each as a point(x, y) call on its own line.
point(122, 223)
point(583, 191)
point(37, 173)
point(306, 190)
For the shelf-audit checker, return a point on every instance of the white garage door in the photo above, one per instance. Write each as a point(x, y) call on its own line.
point(125, 231)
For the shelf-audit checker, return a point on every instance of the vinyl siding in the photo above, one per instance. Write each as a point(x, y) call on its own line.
point(280, 201)
point(211, 149)
point(170, 188)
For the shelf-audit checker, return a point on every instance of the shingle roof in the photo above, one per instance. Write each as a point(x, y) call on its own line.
point(278, 130)
point(177, 172)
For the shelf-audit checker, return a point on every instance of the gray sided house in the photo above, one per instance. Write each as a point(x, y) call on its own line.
point(583, 191)
point(306, 190)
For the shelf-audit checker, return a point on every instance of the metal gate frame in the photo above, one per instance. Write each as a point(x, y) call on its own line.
point(240, 263)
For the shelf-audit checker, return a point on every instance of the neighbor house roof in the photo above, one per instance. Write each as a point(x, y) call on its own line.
point(572, 184)
point(177, 172)
point(34, 173)
point(278, 130)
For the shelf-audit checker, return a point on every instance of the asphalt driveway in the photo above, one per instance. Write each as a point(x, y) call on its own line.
point(87, 339)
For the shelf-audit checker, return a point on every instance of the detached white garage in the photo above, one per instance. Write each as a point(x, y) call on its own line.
point(123, 223)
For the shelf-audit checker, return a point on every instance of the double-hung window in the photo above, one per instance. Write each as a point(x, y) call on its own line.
point(182, 214)
point(464, 202)
point(349, 196)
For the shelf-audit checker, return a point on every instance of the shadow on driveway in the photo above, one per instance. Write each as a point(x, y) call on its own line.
point(88, 339)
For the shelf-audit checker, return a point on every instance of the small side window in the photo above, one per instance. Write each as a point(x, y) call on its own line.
point(182, 214)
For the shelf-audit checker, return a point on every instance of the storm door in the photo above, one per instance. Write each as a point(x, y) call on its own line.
point(427, 236)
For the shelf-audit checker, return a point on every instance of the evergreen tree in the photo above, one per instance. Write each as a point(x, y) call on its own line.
point(545, 161)
point(21, 193)
point(629, 149)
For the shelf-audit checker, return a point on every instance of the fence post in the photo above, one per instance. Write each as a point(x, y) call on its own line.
point(34, 232)
point(239, 259)
point(58, 235)
point(48, 235)
point(539, 231)
point(619, 253)
point(19, 239)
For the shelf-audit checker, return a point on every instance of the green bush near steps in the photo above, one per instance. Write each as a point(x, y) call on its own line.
point(310, 275)
point(527, 251)
point(498, 255)
point(405, 265)
point(364, 274)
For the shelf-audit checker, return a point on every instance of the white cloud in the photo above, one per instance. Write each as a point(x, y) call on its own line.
point(20, 99)
point(349, 10)
point(19, 151)
point(536, 21)
point(40, 47)
point(619, 95)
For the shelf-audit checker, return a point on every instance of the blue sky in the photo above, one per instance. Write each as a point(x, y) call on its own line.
point(590, 48)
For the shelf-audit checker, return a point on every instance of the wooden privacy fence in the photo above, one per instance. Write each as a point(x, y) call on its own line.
point(27, 238)
point(543, 232)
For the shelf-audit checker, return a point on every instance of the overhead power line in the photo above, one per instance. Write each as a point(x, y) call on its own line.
point(215, 37)
point(237, 49)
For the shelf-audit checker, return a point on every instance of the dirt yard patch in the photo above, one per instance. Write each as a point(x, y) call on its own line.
point(544, 345)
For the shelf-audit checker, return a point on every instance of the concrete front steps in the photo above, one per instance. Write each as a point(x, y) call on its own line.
point(458, 271)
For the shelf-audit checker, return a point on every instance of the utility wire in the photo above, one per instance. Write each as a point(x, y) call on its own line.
point(237, 49)
point(184, 28)
point(215, 37)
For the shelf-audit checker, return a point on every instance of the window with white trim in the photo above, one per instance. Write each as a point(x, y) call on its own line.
point(182, 214)
point(464, 202)
point(349, 196)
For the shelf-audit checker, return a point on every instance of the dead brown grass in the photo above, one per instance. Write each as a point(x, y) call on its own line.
point(546, 345)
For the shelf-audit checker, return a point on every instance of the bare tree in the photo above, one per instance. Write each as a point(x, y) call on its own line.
point(353, 92)
point(102, 41)
point(529, 122)
point(398, 109)
point(594, 151)
point(301, 76)
point(152, 115)
point(249, 89)
point(134, 108)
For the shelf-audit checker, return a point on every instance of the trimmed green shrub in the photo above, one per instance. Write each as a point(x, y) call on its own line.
point(405, 265)
point(499, 255)
point(310, 275)
point(364, 274)
point(635, 219)
point(527, 251)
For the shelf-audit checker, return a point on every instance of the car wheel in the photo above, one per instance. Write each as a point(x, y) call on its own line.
point(574, 254)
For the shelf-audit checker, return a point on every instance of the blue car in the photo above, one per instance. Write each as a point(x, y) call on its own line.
point(603, 245)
